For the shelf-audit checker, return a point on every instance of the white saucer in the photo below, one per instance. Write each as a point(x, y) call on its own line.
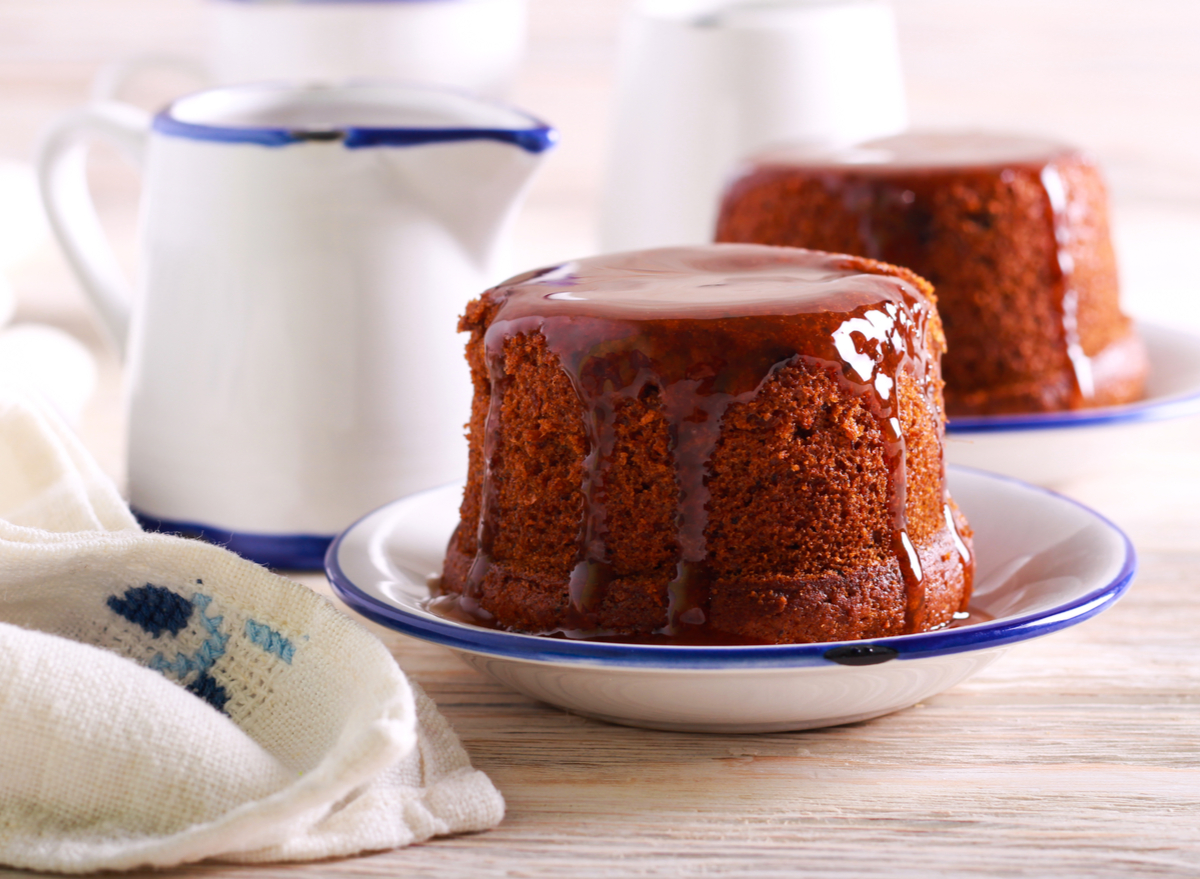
point(1049, 448)
point(1044, 562)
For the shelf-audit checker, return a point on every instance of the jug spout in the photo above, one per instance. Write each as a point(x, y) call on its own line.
point(470, 186)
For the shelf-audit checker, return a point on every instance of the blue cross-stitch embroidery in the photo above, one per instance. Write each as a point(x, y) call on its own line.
point(157, 610)
point(208, 653)
point(154, 608)
point(270, 640)
point(206, 687)
point(213, 648)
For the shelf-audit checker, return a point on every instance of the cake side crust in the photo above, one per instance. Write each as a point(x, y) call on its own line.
point(799, 466)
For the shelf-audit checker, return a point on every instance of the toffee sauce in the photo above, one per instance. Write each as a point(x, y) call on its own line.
point(899, 174)
point(706, 328)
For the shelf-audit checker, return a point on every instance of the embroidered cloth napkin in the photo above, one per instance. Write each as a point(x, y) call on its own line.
point(164, 701)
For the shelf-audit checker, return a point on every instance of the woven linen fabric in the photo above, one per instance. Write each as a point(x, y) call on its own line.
point(164, 701)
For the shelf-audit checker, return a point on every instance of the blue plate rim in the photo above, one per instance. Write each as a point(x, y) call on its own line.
point(535, 649)
point(1158, 409)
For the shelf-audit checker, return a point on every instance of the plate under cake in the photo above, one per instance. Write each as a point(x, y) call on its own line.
point(1053, 448)
point(1044, 562)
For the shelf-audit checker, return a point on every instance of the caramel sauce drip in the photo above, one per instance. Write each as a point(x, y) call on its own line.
point(1058, 201)
point(704, 329)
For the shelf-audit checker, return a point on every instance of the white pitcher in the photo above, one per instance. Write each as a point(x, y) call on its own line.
point(473, 45)
point(292, 353)
point(703, 83)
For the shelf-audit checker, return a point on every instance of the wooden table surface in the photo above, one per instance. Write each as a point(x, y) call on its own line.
point(1076, 754)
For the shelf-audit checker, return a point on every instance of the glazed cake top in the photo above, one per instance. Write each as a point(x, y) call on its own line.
point(722, 318)
point(706, 282)
point(923, 150)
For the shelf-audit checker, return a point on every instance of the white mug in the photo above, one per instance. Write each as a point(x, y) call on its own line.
point(293, 360)
point(703, 83)
point(474, 45)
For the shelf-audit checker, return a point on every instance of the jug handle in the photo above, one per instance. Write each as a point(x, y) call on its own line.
point(71, 213)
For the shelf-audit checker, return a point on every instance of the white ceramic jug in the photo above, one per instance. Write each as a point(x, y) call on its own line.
point(473, 45)
point(292, 353)
point(703, 83)
point(467, 44)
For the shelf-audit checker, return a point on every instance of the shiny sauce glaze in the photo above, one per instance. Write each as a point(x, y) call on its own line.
point(706, 327)
point(902, 174)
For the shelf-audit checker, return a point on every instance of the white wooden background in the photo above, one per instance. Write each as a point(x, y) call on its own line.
point(1075, 755)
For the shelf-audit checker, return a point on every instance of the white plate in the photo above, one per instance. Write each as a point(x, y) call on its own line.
point(1049, 448)
point(1044, 562)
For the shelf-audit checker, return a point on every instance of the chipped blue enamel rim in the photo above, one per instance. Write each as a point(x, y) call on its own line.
point(531, 648)
point(293, 552)
point(536, 137)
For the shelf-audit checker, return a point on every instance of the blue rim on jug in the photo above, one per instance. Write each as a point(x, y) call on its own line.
point(244, 114)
